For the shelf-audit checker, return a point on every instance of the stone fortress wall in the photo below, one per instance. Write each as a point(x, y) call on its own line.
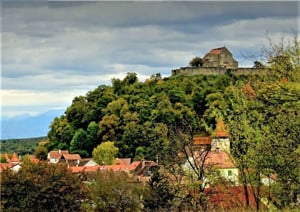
point(216, 62)
point(191, 71)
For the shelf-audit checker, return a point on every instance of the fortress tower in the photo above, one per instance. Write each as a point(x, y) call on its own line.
point(221, 58)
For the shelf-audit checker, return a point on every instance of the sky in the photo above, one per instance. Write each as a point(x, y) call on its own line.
point(53, 51)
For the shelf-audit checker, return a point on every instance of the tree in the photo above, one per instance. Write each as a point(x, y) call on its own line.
point(159, 194)
point(2, 158)
point(258, 65)
point(264, 128)
point(196, 62)
point(92, 137)
point(41, 152)
point(40, 187)
point(60, 134)
point(283, 58)
point(79, 143)
point(130, 78)
point(105, 153)
point(113, 191)
point(77, 113)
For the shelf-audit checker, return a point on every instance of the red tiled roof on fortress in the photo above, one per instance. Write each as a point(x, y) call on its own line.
point(216, 50)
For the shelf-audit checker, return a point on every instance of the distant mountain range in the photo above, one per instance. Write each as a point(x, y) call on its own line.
point(26, 126)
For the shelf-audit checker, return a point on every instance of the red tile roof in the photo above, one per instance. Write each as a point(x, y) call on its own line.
point(34, 159)
point(118, 167)
point(4, 166)
point(220, 130)
point(14, 158)
point(202, 140)
point(80, 169)
point(125, 161)
point(57, 154)
point(135, 163)
point(72, 156)
point(216, 50)
point(219, 159)
point(6, 157)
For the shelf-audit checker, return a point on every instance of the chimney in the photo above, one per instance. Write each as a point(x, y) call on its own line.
point(59, 151)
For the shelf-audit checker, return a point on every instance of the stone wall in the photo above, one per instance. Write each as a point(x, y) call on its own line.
point(191, 71)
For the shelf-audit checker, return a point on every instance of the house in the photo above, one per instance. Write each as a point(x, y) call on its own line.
point(63, 156)
point(13, 163)
point(55, 156)
point(224, 164)
point(145, 168)
point(70, 159)
point(213, 153)
point(4, 166)
point(221, 58)
point(13, 160)
point(88, 162)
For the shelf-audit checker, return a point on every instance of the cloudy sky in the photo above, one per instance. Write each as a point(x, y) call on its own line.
point(54, 51)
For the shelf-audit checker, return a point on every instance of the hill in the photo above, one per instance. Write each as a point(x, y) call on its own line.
point(20, 146)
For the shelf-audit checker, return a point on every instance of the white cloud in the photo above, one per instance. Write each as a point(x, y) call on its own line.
point(17, 102)
point(32, 97)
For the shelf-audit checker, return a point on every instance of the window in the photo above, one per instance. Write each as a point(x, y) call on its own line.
point(229, 173)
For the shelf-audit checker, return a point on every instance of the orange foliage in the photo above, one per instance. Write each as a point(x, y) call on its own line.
point(249, 91)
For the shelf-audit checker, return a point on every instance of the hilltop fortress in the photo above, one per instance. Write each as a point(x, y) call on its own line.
point(217, 61)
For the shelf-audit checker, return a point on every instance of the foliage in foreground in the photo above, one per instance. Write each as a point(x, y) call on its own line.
point(113, 191)
point(40, 187)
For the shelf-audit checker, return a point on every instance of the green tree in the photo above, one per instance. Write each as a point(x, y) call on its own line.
point(79, 143)
point(109, 128)
point(2, 158)
point(41, 152)
point(113, 191)
point(263, 122)
point(258, 65)
point(159, 195)
point(40, 187)
point(105, 153)
point(77, 113)
point(60, 134)
point(92, 137)
point(196, 62)
point(130, 78)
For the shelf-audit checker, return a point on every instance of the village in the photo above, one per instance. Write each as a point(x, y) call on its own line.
point(216, 149)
